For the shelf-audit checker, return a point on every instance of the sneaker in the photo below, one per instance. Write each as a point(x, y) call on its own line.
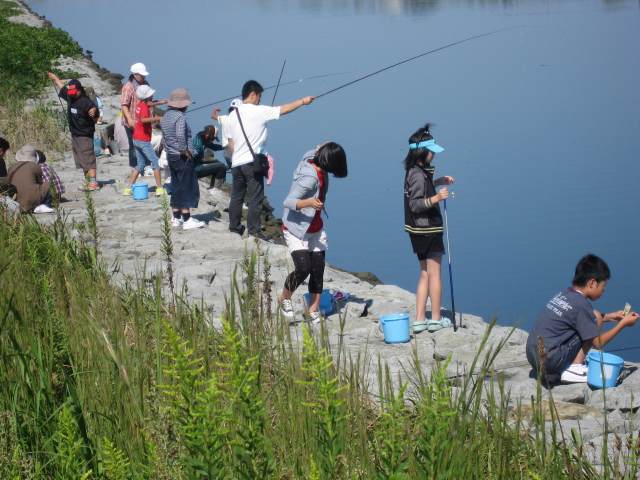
point(90, 187)
point(127, 192)
point(192, 223)
point(286, 307)
point(160, 191)
point(315, 317)
point(43, 209)
point(576, 373)
point(176, 222)
point(240, 230)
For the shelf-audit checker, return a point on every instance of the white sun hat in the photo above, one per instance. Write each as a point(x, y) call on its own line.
point(144, 91)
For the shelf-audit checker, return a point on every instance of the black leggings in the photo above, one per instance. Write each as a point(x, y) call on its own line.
point(307, 264)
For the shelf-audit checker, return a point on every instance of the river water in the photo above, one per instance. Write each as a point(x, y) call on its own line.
point(541, 123)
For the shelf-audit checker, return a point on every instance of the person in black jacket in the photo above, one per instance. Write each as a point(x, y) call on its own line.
point(423, 222)
point(82, 115)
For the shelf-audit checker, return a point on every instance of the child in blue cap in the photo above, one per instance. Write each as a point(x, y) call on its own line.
point(423, 222)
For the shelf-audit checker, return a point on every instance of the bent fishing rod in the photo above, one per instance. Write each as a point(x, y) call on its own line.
point(270, 87)
point(407, 60)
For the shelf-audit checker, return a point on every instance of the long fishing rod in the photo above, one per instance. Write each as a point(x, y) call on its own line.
point(449, 45)
point(278, 84)
point(270, 87)
point(453, 302)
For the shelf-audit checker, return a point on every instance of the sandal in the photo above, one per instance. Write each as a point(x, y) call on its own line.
point(435, 325)
point(418, 327)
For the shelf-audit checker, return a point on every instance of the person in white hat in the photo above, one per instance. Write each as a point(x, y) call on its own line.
point(223, 121)
point(142, 139)
point(129, 102)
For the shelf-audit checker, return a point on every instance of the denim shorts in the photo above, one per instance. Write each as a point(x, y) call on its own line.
point(558, 358)
point(144, 152)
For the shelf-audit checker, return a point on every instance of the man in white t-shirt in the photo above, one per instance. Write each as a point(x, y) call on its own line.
point(245, 181)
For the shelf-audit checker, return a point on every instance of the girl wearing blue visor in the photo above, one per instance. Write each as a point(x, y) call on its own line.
point(423, 222)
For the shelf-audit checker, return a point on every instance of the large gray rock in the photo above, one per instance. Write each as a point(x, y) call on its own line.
point(625, 396)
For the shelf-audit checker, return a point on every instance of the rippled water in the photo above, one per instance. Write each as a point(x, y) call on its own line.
point(540, 123)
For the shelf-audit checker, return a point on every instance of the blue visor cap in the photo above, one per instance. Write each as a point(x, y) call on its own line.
point(428, 144)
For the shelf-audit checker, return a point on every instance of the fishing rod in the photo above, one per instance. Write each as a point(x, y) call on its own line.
point(278, 84)
point(624, 349)
point(270, 87)
point(384, 69)
point(453, 302)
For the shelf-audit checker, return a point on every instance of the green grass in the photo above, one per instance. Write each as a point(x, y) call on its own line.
point(127, 382)
point(27, 54)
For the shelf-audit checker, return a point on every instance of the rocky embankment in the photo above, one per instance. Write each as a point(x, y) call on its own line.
point(130, 240)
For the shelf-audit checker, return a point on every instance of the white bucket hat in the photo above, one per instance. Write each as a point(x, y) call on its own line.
point(144, 91)
point(140, 69)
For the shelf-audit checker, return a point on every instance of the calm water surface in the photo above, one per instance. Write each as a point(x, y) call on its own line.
point(540, 123)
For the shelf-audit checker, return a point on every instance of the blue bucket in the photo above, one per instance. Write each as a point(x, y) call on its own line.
point(395, 327)
point(327, 303)
point(612, 366)
point(140, 191)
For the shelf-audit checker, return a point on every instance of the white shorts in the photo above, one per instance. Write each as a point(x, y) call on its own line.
point(312, 242)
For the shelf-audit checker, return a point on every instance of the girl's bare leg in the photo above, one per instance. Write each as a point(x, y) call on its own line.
point(422, 291)
point(134, 177)
point(156, 174)
point(435, 286)
point(314, 306)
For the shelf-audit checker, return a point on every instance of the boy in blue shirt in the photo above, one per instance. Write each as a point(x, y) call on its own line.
point(569, 326)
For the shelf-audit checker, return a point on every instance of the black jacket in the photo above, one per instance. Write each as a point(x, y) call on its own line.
point(419, 217)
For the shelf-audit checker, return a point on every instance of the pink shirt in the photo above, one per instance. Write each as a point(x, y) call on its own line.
point(129, 99)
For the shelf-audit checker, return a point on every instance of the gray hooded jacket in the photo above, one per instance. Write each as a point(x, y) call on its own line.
point(305, 185)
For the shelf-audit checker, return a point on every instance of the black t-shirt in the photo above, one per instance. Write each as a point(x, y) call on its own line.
point(3, 168)
point(80, 123)
point(566, 315)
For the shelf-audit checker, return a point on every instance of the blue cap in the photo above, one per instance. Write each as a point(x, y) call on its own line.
point(428, 144)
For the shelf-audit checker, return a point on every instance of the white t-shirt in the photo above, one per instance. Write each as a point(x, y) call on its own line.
point(223, 121)
point(254, 119)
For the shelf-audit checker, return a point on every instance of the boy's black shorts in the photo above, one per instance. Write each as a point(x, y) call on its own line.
point(558, 358)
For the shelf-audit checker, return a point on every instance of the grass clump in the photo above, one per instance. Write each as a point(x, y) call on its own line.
point(114, 382)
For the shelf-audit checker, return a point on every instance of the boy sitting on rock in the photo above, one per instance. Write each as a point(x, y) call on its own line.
point(569, 326)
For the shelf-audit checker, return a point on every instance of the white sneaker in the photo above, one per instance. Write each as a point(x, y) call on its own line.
point(576, 373)
point(192, 223)
point(286, 307)
point(43, 209)
point(315, 317)
point(176, 222)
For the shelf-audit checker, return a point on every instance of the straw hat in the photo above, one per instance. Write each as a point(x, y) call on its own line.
point(27, 153)
point(179, 98)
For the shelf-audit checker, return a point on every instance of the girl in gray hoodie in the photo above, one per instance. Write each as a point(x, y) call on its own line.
point(303, 226)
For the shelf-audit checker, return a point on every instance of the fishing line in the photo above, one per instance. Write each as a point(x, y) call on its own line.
point(271, 87)
point(453, 44)
point(278, 84)
point(64, 113)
